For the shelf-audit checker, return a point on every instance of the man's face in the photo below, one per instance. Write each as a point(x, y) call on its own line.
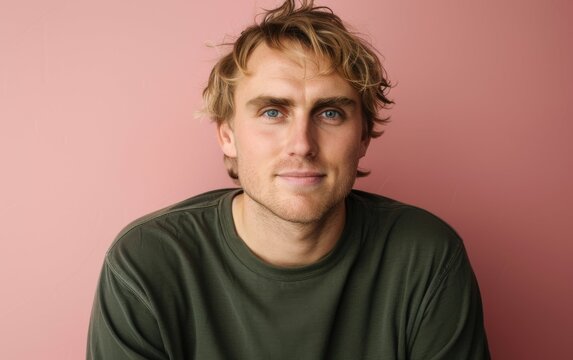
point(296, 135)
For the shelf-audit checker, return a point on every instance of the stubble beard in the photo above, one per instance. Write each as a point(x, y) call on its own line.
point(302, 208)
point(284, 210)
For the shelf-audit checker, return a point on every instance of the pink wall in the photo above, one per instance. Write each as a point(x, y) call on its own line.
point(97, 104)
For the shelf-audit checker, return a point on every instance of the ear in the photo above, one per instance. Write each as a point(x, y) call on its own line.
point(226, 138)
point(364, 146)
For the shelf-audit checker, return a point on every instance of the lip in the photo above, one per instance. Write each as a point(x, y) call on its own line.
point(301, 177)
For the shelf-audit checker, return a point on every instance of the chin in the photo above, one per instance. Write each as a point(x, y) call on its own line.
point(303, 210)
point(299, 217)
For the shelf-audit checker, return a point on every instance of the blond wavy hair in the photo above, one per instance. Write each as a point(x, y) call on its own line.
point(318, 30)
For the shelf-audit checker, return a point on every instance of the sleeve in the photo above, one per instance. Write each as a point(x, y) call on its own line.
point(451, 325)
point(122, 324)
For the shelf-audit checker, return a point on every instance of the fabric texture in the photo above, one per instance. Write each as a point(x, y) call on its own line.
point(181, 284)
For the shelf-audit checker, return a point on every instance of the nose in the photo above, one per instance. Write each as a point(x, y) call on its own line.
point(302, 138)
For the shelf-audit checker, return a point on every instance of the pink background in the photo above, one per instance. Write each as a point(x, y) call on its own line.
point(97, 127)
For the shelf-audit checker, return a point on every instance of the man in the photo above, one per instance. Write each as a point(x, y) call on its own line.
point(294, 264)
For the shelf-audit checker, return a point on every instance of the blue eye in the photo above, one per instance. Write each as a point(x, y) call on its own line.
point(272, 113)
point(331, 114)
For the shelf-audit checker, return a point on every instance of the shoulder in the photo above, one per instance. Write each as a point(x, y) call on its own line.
point(407, 231)
point(399, 215)
point(418, 253)
point(208, 201)
point(168, 234)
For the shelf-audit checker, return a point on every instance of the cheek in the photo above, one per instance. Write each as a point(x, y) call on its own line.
point(347, 147)
point(256, 144)
point(259, 139)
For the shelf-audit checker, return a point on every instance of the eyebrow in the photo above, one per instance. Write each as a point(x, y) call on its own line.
point(336, 101)
point(263, 100)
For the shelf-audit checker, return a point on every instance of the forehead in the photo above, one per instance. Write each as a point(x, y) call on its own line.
point(294, 70)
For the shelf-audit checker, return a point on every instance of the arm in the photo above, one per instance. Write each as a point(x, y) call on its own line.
point(451, 318)
point(122, 324)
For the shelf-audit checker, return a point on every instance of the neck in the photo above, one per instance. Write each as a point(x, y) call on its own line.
point(291, 244)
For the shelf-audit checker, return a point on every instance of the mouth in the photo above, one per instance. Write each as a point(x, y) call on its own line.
point(301, 177)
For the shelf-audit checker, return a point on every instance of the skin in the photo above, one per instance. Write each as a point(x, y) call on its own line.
point(297, 137)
